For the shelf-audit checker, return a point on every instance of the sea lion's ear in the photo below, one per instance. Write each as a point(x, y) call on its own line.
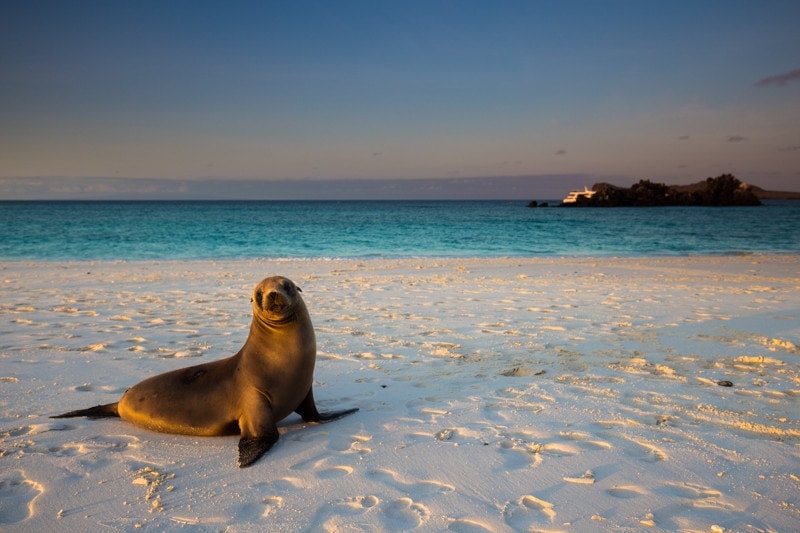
point(251, 299)
point(298, 289)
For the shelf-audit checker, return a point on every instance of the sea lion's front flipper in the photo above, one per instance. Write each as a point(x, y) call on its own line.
point(308, 410)
point(259, 432)
point(251, 448)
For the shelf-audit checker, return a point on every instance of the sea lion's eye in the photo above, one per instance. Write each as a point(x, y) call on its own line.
point(290, 287)
point(259, 294)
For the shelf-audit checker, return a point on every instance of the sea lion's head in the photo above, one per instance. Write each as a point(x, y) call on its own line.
point(276, 299)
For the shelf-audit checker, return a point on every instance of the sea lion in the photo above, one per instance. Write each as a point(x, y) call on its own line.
point(247, 393)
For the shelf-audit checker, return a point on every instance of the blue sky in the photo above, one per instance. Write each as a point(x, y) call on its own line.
point(196, 90)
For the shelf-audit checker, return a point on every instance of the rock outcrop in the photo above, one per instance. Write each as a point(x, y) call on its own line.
point(724, 190)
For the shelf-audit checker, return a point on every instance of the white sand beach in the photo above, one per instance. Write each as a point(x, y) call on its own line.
point(591, 394)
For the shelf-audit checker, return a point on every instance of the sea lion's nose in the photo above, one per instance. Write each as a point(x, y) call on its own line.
point(275, 298)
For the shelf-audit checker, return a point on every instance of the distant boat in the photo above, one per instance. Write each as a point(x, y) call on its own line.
point(573, 196)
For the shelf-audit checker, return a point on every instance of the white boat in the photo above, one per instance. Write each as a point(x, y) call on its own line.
point(573, 196)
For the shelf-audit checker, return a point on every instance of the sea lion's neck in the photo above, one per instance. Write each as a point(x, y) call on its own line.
point(269, 331)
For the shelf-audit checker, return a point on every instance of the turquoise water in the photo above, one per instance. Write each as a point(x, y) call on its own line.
point(55, 231)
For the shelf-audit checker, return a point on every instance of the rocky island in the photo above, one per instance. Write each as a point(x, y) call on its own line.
point(724, 190)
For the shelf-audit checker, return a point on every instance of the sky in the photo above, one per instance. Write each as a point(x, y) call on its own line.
point(309, 99)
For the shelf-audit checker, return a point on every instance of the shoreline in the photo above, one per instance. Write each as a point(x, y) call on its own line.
point(495, 394)
point(284, 259)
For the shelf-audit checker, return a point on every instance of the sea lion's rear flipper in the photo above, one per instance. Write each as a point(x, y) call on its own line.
point(333, 415)
point(308, 410)
point(98, 411)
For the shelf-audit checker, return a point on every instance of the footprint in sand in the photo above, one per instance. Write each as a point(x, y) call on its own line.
point(285, 485)
point(86, 450)
point(322, 471)
point(519, 455)
point(560, 449)
point(17, 497)
point(700, 497)
point(36, 429)
point(350, 443)
point(647, 452)
point(314, 463)
point(626, 492)
point(404, 514)
point(334, 472)
point(255, 510)
point(527, 511)
point(418, 488)
point(690, 491)
point(468, 526)
point(585, 440)
point(88, 387)
point(357, 504)
point(91, 449)
point(271, 504)
point(338, 515)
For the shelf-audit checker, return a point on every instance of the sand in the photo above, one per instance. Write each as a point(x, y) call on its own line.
point(495, 395)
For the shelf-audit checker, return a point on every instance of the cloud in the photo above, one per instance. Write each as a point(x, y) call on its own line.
point(780, 79)
point(795, 148)
point(736, 139)
point(683, 138)
point(561, 152)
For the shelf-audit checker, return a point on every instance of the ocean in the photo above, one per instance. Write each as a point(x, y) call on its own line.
point(186, 230)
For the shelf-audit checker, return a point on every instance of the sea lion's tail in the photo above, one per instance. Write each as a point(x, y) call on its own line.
point(98, 411)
